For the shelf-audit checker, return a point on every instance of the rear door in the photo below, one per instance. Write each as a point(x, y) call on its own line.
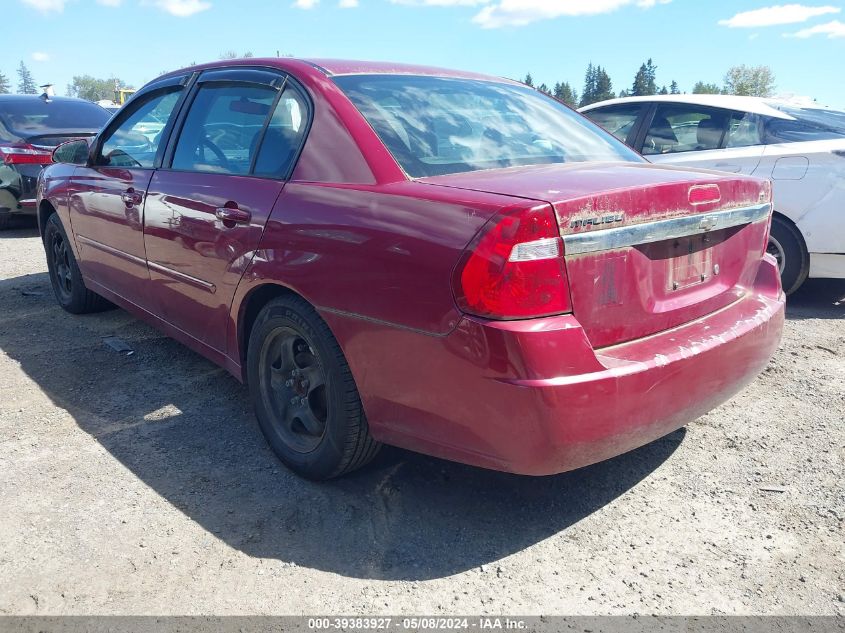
point(107, 204)
point(207, 207)
point(700, 136)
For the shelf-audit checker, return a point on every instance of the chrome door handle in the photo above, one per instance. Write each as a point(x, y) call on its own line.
point(233, 215)
point(131, 197)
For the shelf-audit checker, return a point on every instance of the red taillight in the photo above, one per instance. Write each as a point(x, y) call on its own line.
point(515, 269)
point(22, 154)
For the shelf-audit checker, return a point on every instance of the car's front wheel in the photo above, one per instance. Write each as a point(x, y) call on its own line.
point(787, 246)
point(65, 276)
point(304, 395)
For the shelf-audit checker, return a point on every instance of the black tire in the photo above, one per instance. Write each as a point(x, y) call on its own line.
point(65, 277)
point(305, 398)
point(787, 245)
point(5, 220)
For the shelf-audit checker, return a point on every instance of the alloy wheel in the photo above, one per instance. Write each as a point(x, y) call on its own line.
point(293, 386)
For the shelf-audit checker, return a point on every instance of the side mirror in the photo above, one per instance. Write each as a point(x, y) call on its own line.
point(72, 152)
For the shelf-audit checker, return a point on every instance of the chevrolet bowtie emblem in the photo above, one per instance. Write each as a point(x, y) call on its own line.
point(708, 222)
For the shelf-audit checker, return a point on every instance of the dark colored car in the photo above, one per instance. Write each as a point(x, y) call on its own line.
point(451, 263)
point(30, 129)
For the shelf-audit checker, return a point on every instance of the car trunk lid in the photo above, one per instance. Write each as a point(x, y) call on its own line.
point(646, 248)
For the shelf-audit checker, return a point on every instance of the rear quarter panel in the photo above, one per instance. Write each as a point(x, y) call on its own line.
point(380, 254)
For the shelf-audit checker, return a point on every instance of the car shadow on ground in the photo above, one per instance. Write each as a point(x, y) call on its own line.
point(20, 226)
point(817, 299)
point(185, 428)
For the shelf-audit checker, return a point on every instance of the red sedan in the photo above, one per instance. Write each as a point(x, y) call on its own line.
point(447, 262)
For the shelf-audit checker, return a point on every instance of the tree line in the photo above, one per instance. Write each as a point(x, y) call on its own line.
point(754, 81)
point(758, 81)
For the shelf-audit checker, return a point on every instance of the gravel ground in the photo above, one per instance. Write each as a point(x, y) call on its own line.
point(142, 485)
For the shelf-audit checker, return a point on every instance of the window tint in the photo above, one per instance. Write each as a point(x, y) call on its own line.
point(25, 117)
point(808, 124)
point(618, 120)
point(283, 136)
point(682, 128)
point(223, 128)
point(744, 130)
point(136, 140)
point(436, 125)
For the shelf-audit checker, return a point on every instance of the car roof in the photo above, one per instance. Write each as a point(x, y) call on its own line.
point(754, 105)
point(18, 98)
point(341, 67)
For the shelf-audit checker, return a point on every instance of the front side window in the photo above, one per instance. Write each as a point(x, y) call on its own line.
point(619, 120)
point(223, 128)
point(436, 125)
point(134, 143)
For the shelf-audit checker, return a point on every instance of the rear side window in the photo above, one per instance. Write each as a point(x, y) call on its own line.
point(743, 130)
point(283, 136)
point(224, 128)
point(685, 128)
point(797, 131)
point(618, 120)
point(136, 140)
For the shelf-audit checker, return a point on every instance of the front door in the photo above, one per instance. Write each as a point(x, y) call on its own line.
point(206, 211)
point(107, 204)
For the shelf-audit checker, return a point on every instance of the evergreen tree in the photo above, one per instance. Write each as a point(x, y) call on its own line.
point(564, 92)
point(673, 88)
point(26, 84)
point(589, 92)
point(529, 80)
point(664, 91)
point(644, 81)
point(604, 87)
point(5, 86)
point(544, 89)
point(623, 94)
point(702, 88)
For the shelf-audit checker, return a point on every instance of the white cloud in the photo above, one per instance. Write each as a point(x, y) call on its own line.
point(182, 8)
point(46, 6)
point(522, 12)
point(779, 14)
point(38, 56)
point(348, 4)
point(306, 4)
point(832, 29)
point(441, 3)
point(110, 3)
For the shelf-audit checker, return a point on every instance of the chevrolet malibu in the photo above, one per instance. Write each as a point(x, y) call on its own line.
point(447, 262)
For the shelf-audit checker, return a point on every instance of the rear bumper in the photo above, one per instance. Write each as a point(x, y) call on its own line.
point(533, 397)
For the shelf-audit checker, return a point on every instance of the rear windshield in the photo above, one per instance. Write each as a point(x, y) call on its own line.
point(435, 125)
point(34, 117)
point(807, 124)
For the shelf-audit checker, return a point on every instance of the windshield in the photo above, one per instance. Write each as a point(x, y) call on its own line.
point(436, 126)
point(809, 124)
point(34, 117)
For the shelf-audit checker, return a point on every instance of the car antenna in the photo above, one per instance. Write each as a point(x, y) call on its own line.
point(48, 92)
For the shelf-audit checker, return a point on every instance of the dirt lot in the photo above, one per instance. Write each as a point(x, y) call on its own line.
point(142, 484)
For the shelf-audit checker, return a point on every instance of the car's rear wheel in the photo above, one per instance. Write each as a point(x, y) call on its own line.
point(787, 246)
point(305, 398)
point(65, 276)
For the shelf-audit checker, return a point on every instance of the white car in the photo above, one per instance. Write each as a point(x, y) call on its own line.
point(801, 148)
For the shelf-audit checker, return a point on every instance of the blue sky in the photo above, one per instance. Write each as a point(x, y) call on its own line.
point(689, 40)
